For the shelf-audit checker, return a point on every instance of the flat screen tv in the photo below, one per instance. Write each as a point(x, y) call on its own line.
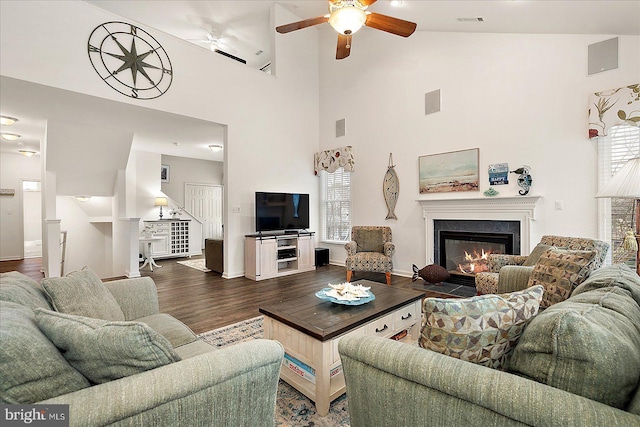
point(281, 211)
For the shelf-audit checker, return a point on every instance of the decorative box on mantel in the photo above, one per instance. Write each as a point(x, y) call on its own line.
point(520, 208)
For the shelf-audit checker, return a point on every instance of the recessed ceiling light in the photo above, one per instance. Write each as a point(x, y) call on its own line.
point(396, 2)
point(27, 153)
point(9, 136)
point(215, 147)
point(176, 144)
point(83, 198)
point(7, 121)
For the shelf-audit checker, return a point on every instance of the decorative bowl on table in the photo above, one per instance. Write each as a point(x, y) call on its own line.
point(346, 294)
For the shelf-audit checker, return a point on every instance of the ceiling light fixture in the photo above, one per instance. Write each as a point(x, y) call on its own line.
point(396, 2)
point(27, 153)
point(83, 198)
point(347, 20)
point(215, 147)
point(9, 136)
point(7, 121)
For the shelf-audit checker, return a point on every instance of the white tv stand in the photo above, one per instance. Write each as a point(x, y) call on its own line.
point(268, 255)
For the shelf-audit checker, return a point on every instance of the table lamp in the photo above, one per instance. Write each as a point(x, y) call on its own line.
point(161, 201)
point(626, 185)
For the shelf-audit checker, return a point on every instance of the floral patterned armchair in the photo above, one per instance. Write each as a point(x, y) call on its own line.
point(370, 249)
point(510, 273)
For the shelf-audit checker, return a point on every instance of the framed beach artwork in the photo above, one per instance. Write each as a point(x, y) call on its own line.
point(449, 172)
point(164, 173)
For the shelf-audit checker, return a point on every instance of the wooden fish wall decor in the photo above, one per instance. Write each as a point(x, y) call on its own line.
point(391, 188)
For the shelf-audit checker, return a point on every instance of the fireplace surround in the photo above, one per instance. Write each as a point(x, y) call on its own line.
point(482, 212)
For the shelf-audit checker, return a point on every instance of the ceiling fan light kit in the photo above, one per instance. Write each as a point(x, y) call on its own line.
point(347, 20)
point(347, 17)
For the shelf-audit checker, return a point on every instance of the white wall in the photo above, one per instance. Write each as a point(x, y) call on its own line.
point(89, 234)
point(194, 171)
point(521, 99)
point(14, 168)
point(272, 121)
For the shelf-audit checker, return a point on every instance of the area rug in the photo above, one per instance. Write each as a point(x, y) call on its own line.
point(292, 407)
point(198, 264)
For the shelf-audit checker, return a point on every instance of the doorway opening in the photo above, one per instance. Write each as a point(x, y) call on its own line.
point(32, 218)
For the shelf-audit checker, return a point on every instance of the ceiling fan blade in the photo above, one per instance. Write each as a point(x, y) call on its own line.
point(287, 28)
point(344, 46)
point(389, 24)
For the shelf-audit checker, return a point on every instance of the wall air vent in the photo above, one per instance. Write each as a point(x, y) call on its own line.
point(228, 55)
point(476, 19)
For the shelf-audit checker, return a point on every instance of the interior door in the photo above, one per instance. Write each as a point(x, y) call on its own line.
point(205, 203)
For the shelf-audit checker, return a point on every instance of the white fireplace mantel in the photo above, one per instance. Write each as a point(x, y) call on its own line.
point(521, 208)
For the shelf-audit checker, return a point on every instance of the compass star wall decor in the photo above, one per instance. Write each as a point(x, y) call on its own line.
point(130, 60)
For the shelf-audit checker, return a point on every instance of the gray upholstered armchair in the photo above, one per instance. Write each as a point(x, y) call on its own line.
point(510, 273)
point(370, 249)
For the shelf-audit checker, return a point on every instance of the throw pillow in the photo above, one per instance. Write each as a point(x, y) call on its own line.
point(535, 254)
point(559, 271)
point(23, 290)
point(588, 345)
point(103, 350)
point(32, 367)
point(82, 293)
point(483, 329)
point(370, 241)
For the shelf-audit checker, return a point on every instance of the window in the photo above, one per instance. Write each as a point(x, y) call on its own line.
point(622, 145)
point(335, 205)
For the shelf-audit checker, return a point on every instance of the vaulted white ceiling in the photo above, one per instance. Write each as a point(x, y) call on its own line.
point(248, 22)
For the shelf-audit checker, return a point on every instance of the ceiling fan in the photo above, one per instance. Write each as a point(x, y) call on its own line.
point(347, 17)
point(214, 41)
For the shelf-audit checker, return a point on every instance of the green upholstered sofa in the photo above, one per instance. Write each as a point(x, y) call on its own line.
point(200, 386)
point(577, 363)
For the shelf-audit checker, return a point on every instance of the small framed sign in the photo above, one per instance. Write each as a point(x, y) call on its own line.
point(499, 174)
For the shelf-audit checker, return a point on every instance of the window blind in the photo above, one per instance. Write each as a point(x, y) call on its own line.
point(616, 215)
point(335, 205)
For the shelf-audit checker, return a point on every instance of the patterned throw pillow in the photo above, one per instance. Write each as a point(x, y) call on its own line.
point(103, 350)
point(483, 329)
point(559, 271)
point(536, 253)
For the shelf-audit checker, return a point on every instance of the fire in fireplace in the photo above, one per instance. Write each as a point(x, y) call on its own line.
point(464, 254)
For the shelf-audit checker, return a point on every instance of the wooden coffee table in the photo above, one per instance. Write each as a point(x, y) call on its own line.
point(310, 328)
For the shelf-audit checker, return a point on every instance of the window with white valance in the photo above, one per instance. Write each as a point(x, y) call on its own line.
point(334, 168)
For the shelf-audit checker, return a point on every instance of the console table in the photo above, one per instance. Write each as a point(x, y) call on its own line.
point(174, 237)
point(278, 254)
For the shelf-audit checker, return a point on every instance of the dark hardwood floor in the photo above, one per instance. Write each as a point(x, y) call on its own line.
point(206, 301)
